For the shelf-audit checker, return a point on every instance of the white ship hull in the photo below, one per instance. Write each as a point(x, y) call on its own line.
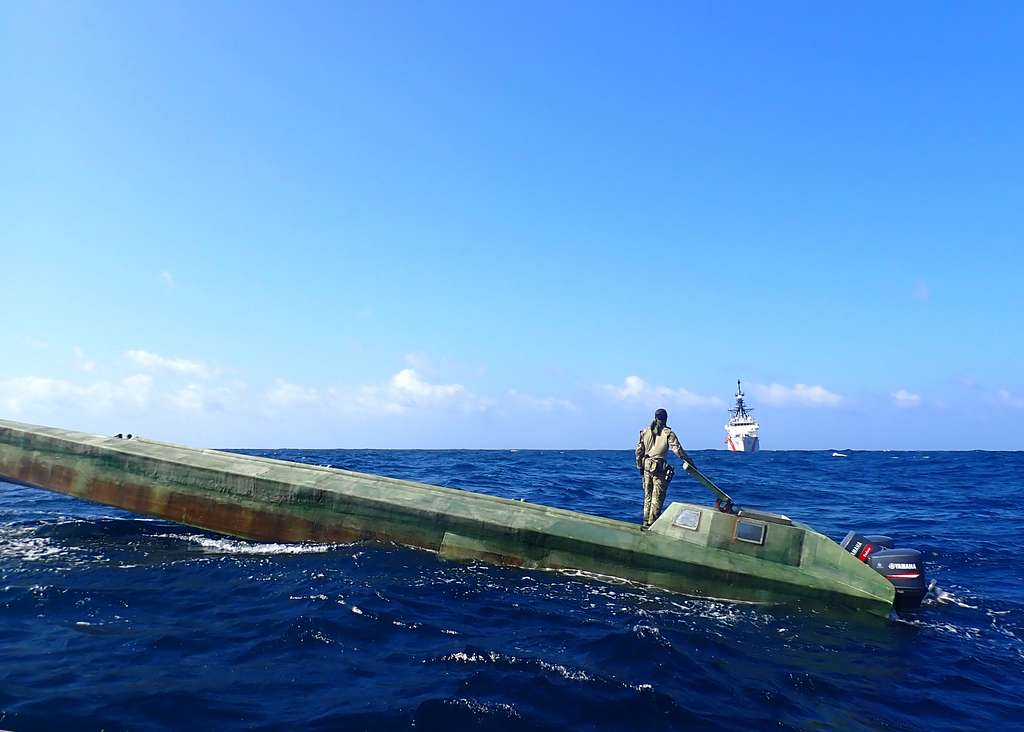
point(741, 430)
point(742, 443)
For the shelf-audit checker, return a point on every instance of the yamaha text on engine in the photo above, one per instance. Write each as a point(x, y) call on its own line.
point(903, 567)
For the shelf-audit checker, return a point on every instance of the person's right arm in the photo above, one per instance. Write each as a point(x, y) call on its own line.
point(674, 446)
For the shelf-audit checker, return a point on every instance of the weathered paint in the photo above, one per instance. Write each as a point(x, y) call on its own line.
point(272, 500)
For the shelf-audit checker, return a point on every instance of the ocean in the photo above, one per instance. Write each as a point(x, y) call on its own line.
point(111, 621)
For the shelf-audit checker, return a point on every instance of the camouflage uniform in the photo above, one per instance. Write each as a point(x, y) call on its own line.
point(651, 450)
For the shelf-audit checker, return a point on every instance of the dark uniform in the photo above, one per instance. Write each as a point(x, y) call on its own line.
point(651, 450)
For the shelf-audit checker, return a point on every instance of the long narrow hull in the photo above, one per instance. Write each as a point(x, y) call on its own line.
point(742, 443)
point(690, 549)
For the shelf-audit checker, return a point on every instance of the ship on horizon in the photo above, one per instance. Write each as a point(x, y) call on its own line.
point(741, 429)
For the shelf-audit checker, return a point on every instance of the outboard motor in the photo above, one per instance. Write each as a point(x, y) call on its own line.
point(903, 567)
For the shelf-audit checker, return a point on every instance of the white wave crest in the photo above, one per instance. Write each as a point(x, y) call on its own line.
point(484, 708)
point(19, 544)
point(241, 546)
point(495, 657)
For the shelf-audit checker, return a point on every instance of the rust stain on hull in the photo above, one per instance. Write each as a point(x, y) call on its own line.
point(189, 509)
point(53, 476)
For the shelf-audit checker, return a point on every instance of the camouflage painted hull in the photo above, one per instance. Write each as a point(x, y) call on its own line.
point(690, 549)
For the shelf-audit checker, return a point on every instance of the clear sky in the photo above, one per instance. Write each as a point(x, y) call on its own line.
point(521, 224)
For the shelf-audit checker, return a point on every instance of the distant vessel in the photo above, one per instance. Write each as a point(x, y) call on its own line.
point(741, 429)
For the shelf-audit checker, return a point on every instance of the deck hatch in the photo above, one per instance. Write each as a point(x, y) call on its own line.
point(751, 531)
point(688, 518)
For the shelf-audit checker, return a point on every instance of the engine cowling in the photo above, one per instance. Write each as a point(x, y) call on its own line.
point(903, 567)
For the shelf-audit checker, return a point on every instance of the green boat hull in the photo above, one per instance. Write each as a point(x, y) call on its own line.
point(690, 549)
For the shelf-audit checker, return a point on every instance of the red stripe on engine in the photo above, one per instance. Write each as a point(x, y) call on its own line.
point(903, 576)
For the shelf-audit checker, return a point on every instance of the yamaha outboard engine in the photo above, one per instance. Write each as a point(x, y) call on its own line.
point(903, 567)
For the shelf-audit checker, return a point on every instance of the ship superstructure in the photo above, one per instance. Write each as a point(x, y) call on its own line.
point(741, 429)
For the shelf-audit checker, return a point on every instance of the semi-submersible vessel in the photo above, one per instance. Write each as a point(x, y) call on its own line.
point(708, 551)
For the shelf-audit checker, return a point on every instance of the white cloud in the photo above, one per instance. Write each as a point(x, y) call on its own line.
point(188, 397)
point(636, 389)
point(286, 394)
point(409, 384)
point(366, 399)
point(28, 396)
point(136, 390)
point(26, 393)
point(203, 397)
point(82, 363)
point(798, 395)
point(906, 399)
point(540, 404)
point(1011, 400)
point(405, 392)
point(178, 365)
point(166, 277)
point(633, 388)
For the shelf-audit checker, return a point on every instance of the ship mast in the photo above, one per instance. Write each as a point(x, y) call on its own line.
point(740, 410)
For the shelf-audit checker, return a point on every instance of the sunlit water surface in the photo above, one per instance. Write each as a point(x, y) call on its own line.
point(114, 621)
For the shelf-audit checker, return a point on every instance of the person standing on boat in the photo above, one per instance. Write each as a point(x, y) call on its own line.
point(651, 451)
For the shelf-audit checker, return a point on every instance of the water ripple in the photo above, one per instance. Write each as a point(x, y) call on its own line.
point(113, 621)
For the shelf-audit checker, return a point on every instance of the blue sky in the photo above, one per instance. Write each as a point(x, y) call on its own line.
point(513, 224)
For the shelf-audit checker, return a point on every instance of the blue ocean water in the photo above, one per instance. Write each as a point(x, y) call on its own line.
point(117, 622)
